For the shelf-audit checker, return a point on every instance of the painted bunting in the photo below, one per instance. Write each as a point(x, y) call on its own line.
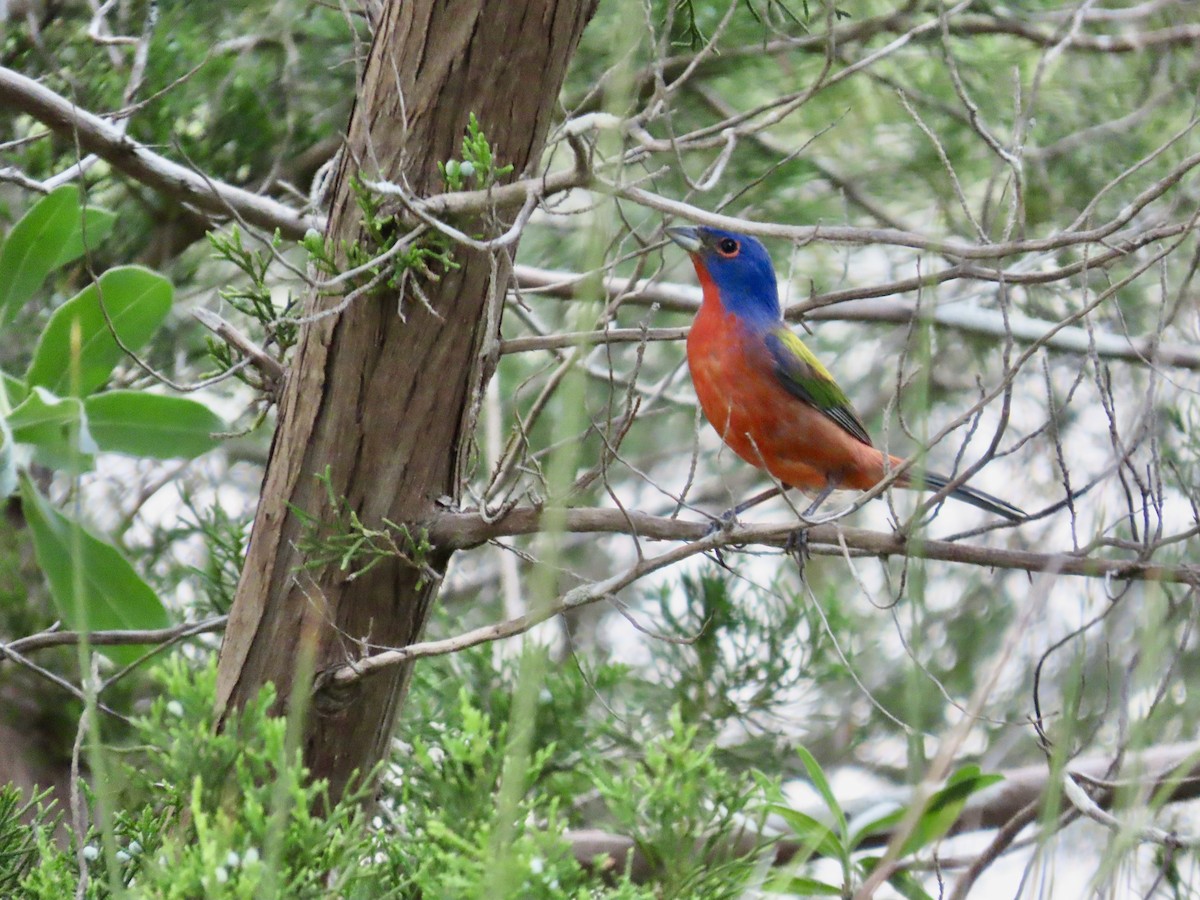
point(767, 395)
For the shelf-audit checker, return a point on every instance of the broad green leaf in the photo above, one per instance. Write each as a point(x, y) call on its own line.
point(944, 807)
point(96, 225)
point(137, 301)
point(153, 425)
point(56, 427)
point(112, 595)
point(49, 235)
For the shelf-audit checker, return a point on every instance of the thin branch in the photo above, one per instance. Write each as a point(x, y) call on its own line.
point(268, 366)
point(356, 670)
point(113, 638)
point(966, 318)
point(1083, 802)
point(170, 178)
point(1132, 42)
point(499, 197)
point(463, 530)
point(999, 844)
point(7, 650)
point(846, 234)
point(126, 155)
point(902, 21)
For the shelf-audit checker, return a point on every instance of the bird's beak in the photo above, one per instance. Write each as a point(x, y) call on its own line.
point(687, 238)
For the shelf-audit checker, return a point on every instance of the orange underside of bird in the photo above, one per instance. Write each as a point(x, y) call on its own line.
point(742, 400)
point(764, 392)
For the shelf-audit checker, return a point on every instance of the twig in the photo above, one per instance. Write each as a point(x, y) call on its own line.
point(112, 638)
point(1082, 801)
point(845, 234)
point(456, 531)
point(185, 185)
point(268, 366)
point(356, 670)
point(966, 318)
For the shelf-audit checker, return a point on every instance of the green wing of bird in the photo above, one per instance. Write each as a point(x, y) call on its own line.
point(803, 376)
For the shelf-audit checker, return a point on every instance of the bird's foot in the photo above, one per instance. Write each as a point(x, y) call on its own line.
point(796, 547)
point(724, 522)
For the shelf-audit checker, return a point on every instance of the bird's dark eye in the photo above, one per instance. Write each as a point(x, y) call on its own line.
point(728, 247)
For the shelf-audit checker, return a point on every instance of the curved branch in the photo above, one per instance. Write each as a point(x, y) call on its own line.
point(218, 198)
point(1131, 42)
point(107, 141)
point(126, 155)
point(968, 25)
point(170, 178)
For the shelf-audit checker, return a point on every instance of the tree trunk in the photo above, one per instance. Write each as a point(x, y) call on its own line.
point(378, 398)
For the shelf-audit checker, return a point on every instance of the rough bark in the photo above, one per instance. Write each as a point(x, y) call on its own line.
point(378, 398)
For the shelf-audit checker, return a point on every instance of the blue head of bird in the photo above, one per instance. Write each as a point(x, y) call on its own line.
point(738, 266)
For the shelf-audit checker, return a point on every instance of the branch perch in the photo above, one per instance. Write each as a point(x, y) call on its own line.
point(460, 531)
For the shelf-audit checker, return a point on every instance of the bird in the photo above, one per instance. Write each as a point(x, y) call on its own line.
point(768, 397)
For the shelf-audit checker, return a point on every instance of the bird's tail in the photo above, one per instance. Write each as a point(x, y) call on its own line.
point(967, 494)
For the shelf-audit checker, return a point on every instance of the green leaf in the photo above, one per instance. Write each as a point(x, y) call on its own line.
point(56, 427)
point(111, 594)
point(14, 389)
point(908, 886)
point(817, 837)
point(96, 225)
point(821, 783)
point(137, 301)
point(800, 886)
point(875, 821)
point(8, 461)
point(143, 424)
point(944, 807)
point(49, 235)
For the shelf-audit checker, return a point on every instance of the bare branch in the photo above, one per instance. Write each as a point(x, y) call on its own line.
point(846, 306)
point(1087, 806)
point(126, 155)
point(459, 531)
point(845, 234)
point(356, 670)
point(902, 21)
point(114, 638)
